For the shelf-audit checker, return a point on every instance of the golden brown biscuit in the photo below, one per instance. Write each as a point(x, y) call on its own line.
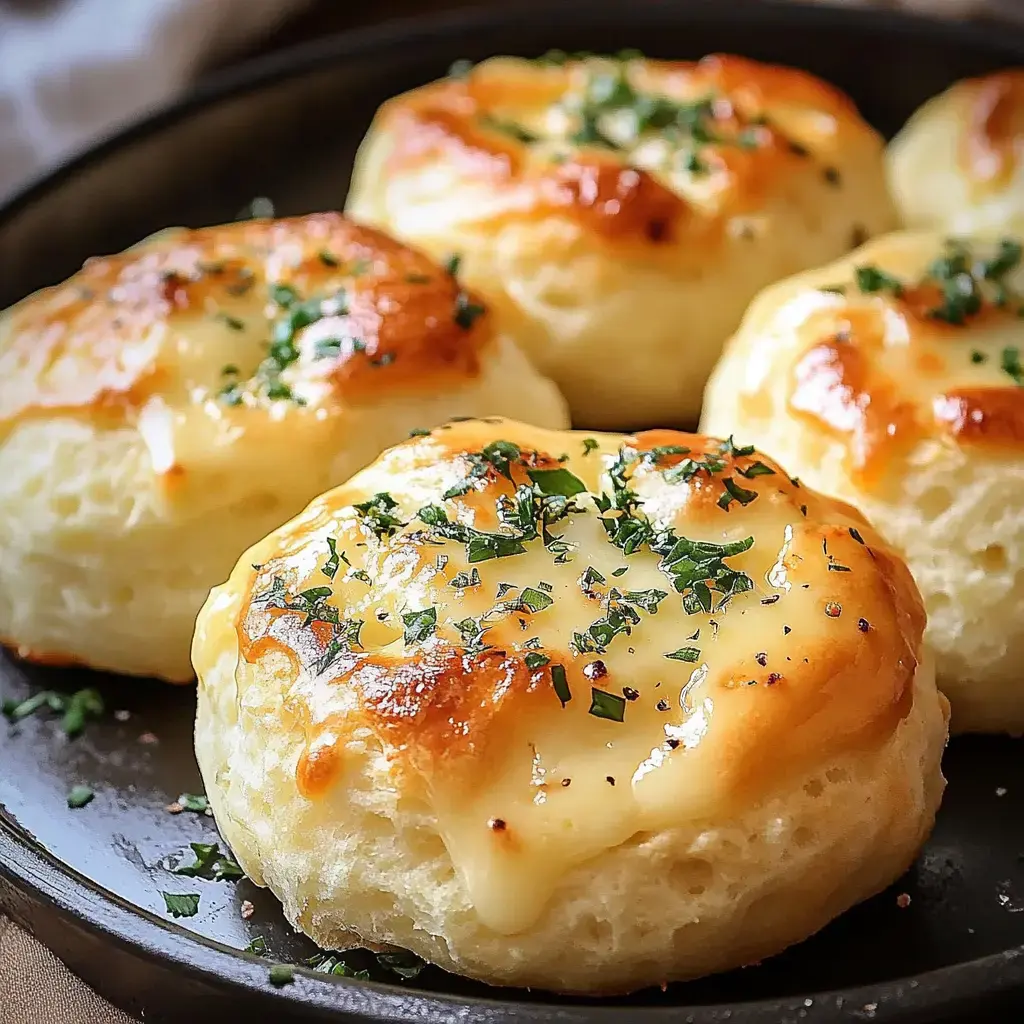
point(958, 165)
point(620, 214)
point(892, 379)
point(581, 713)
point(166, 407)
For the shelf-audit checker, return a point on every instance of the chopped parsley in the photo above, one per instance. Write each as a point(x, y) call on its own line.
point(181, 904)
point(331, 566)
point(534, 600)
point(232, 321)
point(420, 626)
point(465, 580)
point(534, 659)
point(733, 492)
point(589, 445)
point(194, 802)
point(620, 617)
point(79, 796)
point(606, 705)
point(378, 514)
point(1009, 362)
point(257, 946)
point(328, 259)
point(871, 279)
point(685, 654)
point(281, 975)
point(471, 632)
point(560, 684)
point(295, 315)
point(556, 481)
point(209, 863)
point(696, 568)
point(75, 709)
point(610, 102)
point(756, 469)
point(964, 282)
point(467, 312)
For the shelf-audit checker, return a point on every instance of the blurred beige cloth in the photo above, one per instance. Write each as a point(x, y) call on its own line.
point(71, 71)
point(36, 988)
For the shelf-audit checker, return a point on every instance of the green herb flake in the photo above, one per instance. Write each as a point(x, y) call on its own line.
point(609, 706)
point(467, 312)
point(1009, 362)
point(209, 863)
point(79, 796)
point(466, 580)
point(331, 566)
point(685, 654)
point(561, 684)
point(16, 710)
point(181, 904)
point(756, 469)
point(589, 445)
point(871, 279)
point(978, 357)
point(194, 802)
point(733, 492)
point(403, 963)
point(257, 946)
point(556, 481)
point(536, 660)
point(281, 975)
point(231, 321)
point(533, 600)
point(378, 515)
point(328, 259)
point(420, 626)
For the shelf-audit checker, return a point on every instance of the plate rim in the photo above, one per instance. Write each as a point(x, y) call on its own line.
point(29, 873)
point(32, 872)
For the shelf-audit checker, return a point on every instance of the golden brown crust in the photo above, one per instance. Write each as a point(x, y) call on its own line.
point(129, 326)
point(992, 416)
point(993, 140)
point(822, 659)
point(458, 121)
point(885, 370)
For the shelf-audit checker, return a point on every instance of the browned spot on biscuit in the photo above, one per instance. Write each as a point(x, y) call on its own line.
point(983, 415)
point(459, 123)
point(993, 142)
point(121, 330)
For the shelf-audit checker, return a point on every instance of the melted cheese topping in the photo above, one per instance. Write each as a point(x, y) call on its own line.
point(554, 702)
point(884, 370)
point(640, 151)
point(154, 336)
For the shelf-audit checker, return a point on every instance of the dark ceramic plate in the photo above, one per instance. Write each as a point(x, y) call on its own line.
point(88, 882)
